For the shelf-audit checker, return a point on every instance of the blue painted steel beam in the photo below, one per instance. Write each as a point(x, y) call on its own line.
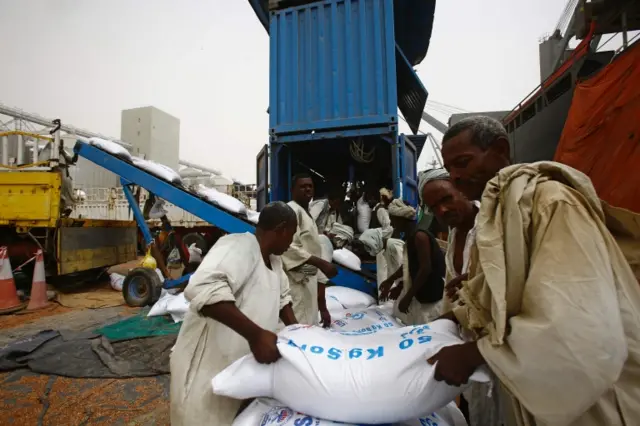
point(137, 213)
point(336, 134)
point(179, 197)
point(146, 232)
point(173, 283)
point(348, 278)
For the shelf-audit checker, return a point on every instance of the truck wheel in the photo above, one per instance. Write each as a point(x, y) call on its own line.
point(141, 287)
point(194, 237)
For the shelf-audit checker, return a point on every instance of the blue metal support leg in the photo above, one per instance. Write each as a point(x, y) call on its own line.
point(146, 232)
point(137, 213)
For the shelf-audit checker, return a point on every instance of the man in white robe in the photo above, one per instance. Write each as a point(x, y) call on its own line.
point(236, 297)
point(303, 259)
point(550, 296)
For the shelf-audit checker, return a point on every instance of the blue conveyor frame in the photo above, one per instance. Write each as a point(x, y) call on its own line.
point(131, 175)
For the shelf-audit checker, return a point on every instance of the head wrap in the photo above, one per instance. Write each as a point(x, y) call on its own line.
point(425, 216)
point(400, 209)
point(429, 176)
point(372, 241)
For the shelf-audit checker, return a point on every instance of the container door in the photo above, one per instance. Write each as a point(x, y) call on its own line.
point(407, 175)
point(262, 177)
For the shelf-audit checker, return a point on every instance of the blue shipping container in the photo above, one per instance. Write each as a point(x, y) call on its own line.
point(332, 66)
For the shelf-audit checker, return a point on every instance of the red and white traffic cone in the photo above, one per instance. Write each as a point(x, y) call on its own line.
point(9, 301)
point(38, 298)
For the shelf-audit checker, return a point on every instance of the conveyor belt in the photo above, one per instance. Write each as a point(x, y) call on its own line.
point(200, 207)
point(177, 195)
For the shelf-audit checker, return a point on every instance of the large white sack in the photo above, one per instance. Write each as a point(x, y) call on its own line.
point(387, 307)
point(450, 415)
point(266, 411)
point(350, 298)
point(159, 170)
point(326, 246)
point(160, 307)
point(364, 215)
point(195, 253)
point(380, 376)
point(253, 216)
point(221, 199)
point(177, 307)
point(109, 146)
point(333, 305)
point(364, 320)
point(117, 281)
point(346, 257)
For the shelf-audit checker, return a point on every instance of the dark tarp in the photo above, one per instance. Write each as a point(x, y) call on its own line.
point(87, 355)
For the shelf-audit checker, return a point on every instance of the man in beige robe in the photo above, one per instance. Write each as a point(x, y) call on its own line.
point(304, 258)
point(550, 295)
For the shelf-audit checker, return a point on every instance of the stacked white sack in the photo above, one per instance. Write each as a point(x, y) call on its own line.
point(373, 377)
point(175, 305)
point(334, 306)
point(364, 320)
point(265, 412)
point(349, 298)
point(221, 199)
point(347, 258)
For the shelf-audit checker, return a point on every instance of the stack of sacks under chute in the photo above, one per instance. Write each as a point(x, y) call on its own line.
point(366, 369)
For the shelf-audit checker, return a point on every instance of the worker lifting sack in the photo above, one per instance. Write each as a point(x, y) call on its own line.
point(370, 376)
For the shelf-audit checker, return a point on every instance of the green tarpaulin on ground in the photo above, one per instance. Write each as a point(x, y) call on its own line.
point(139, 326)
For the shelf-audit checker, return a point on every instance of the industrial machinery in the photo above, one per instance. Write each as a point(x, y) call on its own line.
point(36, 196)
point(142, 286)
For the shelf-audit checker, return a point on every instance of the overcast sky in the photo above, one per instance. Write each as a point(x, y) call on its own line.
point(206, 62)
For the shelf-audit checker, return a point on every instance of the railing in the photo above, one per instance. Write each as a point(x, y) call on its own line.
point(18, 162)
point(580, 51)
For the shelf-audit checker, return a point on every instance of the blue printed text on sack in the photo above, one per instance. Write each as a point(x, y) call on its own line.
point(334, 353)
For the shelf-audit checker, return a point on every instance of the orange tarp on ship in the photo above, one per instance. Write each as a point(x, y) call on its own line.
point(601, 136)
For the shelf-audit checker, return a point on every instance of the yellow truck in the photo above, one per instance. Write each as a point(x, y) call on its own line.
point(34, 214)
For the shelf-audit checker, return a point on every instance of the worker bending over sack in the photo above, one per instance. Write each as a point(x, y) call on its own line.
point(450, 207)
point(550, 298)
point(422, 271)
point(303, 259)
point(236, 297)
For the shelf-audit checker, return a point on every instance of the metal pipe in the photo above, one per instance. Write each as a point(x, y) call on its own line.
point(564, 44)
point(434, 122)
point(20, 156)
point(19, 114)
point(28, 134)
point(197, 166)
point(5, 151)
point(193, 174)
point(625, 40)
point(35, 118)
point(34, 150)
point(55, 146)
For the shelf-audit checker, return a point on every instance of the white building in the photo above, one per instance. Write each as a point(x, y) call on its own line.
point(154, 134)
